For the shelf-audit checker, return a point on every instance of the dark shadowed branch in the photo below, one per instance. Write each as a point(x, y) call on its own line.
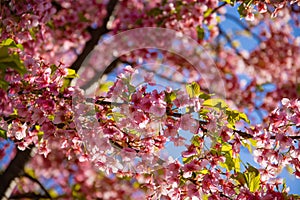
point(16, 166)
point(30, 195)
point(243, 26)
point(241, 133)
point(14, 170)
point(230, 42)
point(39, 183)
point(95, 36)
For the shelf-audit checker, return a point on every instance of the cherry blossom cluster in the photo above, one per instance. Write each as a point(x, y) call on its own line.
point(40, 116)
point(271, 69)
point(131, 128)
point(110, 146)
point(249, 8)
point(183, 16)
point(281, 151)
point(140, 122)
point(35, 104)
point(55, 30)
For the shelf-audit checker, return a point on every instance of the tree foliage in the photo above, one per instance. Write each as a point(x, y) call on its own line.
point(96, 97)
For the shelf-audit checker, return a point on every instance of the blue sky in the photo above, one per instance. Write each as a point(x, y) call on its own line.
point(249, 44)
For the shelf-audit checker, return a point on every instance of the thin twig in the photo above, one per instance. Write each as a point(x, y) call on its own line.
point(240, 23)
point(241, 133)
point(39, 183)
point(14, 170)
point(230, 42)
point(30, 195)
point(217, 8)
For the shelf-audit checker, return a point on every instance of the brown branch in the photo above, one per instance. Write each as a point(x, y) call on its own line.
point(95, 36)
point(115, 63)
point(14, 170)
point(217, 8)
point(112, 65)
point(230, 42)
point(243, 134)
point(242, 25)
point(164, 76)
point(30, 195)
point(56, 5)
point(259, 113)
point(39, 183)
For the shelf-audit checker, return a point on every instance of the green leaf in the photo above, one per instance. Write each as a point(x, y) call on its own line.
point(289, 169)
point(76, 193)
point(260, 88)
point(298, 89)
point(117, 116)
point(10, 59)
point(82, 18)
point(134, 132)
point(14, 113)
point(50, 24)
point(231, 163)
point(200, 33)
point(53, 193)
point(131, 88)
point(242, 10)
point(204, 171)
point(72, 74)
point(196, 141)
point(66, 83)
point(203, 113)
point(53, 69)
point(154, 12)
point(205, 96)
point(3, 133)
point(233, 116)
point(182, 181)
point(215, 103)
point(237, 163)
point(32, 33)
point(40, 135)
point(30, 172)
point(244, 117)
point(4, 84)
point(207, 12)
point(136, 185)
point(253, 142)
point(231, 126)
point(240, 177)
point(193, 89)
point(139, 21)
point(170, 97)
point(231, 2)
point(4, 52)
point(10, 43)
point(227, 1)
point(247, 145)
point(105, 87)
point(188, 159)
point(51, 117)
point(228, 164)
point(204, 197)
point(252, 177)
point(226, 147)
